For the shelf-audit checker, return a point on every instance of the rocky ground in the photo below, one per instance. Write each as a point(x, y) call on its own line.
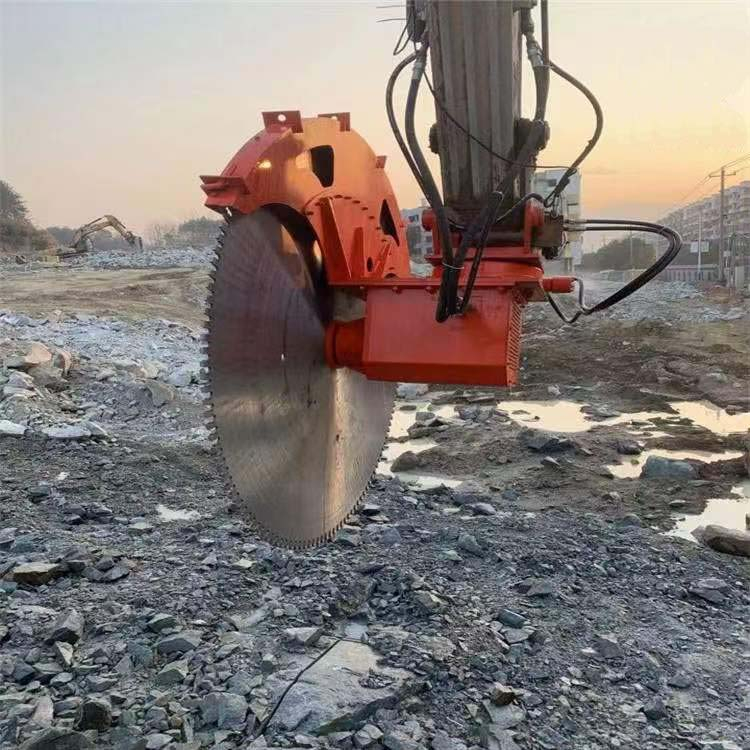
point(507, 583)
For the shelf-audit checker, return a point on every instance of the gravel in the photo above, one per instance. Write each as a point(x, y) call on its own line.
point(527, 607)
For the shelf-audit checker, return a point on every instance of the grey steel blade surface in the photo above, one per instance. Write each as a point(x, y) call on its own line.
point(300, 441)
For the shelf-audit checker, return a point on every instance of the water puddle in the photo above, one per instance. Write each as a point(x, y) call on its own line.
point(402, 420)
point(555, 416)
point(632, 468)
point(571, 417)
point(724, 511)
point(712, 417)
point(393, 450)
point(167, 514)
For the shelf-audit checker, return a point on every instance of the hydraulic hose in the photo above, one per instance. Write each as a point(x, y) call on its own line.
point(394, 122)
point(602, 225)
point(430, 188)
point(565, 179)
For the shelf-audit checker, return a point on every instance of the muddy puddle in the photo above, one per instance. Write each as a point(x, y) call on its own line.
point(572, 416)
point(403, 419)
point(563, 416)
point(731, 512)
point(631, 468)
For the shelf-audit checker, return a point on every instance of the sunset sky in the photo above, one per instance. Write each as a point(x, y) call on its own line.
point(117, 107)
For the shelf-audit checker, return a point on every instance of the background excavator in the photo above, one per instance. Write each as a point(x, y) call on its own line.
point(313, 314)
point(81, 242)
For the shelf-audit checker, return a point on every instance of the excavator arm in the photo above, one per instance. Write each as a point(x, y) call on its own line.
point(81, 243)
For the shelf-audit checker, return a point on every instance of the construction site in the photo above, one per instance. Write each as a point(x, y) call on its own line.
point(315, 471)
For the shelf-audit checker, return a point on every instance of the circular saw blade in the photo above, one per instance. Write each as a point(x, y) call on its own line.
point(300, 440)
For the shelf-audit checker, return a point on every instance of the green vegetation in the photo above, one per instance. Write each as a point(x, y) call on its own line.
point(620, 255)
point(17, 232)
point(200, 231)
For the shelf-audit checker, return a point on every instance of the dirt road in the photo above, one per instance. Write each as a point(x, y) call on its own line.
point(174, 294)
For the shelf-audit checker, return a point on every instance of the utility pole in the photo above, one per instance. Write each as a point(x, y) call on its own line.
point(722, 274)
point(632, 263)
point(700, 240)
point(722, 173)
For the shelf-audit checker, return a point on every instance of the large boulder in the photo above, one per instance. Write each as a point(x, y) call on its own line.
point(340, 691)
point(57, 738)
point(658, 467)
point(723, 539)
point(11, 429)
point(545, 442)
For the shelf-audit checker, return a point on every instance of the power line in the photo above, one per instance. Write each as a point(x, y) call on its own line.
point(715, 173)
point(732, 163)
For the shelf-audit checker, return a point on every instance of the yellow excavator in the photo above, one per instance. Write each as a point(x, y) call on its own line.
point(81, 242)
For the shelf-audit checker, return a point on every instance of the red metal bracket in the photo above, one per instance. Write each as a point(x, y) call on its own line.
point(285, 118)
point(330, 177)
point(344, 120)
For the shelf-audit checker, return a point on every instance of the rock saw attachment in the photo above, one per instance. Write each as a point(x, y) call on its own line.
point(313, 315)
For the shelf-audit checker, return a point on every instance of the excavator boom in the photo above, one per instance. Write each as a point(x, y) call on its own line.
point(81, 242)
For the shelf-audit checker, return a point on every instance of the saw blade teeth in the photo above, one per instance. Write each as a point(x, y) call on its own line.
point(224, 252)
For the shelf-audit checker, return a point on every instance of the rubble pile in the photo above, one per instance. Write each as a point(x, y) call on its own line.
point(83, 379)
point(152, 257)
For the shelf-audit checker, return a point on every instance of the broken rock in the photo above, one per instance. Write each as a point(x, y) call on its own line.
point(409, 391)
point(173, 673)
point(94, 713)
point(68, 629)
point(303, 636)
point(11, 429)
point(544, 442)
point(340, 691)
point(710, 589)
point(657, 467)
point(37, 573)
point(160, 393)
point(407, 461)
point(179, 643)
point(428, 601)
point(57, 738)
point(729, 541)
point(226, 710)
point(468, 543)
point(67, 432)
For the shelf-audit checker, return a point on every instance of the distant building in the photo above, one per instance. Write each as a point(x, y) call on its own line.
point(570, 205)
point(700, 219)
point(417, 237)
point(698, 224)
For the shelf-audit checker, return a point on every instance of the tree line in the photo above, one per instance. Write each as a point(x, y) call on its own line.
point(18, 233)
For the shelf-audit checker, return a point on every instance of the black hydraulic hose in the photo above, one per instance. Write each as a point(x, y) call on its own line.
point(541, 80)
point(430, 188)
point(545, 30)
point(565, 179)
point(479, 250)
point(394, 122)
point(602, 225)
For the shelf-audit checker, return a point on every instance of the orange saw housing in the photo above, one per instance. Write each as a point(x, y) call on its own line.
point(324, 171)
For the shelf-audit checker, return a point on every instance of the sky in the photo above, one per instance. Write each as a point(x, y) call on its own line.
point(117, 107)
